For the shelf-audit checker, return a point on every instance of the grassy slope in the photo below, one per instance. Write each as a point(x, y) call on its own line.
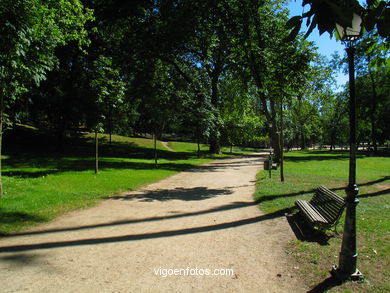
point(42, 183)
point(187, 147)
point(193, 147)
point(307, 170)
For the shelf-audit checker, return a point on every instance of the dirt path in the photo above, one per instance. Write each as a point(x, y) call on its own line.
point(166, 145)
point(201, 219)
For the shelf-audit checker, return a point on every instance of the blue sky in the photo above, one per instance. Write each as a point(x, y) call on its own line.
point(326, 45)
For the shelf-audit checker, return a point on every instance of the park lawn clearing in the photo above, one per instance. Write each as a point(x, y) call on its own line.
point(193, 147)
point(305, 171)
point(41, 185)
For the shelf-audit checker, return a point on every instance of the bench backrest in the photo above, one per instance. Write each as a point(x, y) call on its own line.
point(328, 203)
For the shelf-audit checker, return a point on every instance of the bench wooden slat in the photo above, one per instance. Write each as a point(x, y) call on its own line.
point(324, 209)
point(310, 212)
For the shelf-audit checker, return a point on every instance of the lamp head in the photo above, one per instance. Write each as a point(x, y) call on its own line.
point(350, 34)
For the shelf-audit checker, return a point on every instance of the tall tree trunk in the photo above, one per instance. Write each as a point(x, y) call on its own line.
point(303, 141)
point(373, 111)
point(155, 147)
point(215, 144)
point(197, 136)
point(1, 140)
point(273, 132)
point(281, 142)
point(272, 118)
point(96, 152)
point(110, 124)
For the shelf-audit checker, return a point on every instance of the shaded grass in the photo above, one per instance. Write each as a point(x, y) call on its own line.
point(193, 148)
point(188, 147)
point(306, 170)
point(237, 150)
point(42, 182)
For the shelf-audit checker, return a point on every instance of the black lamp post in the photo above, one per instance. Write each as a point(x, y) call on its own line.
point(348, 254)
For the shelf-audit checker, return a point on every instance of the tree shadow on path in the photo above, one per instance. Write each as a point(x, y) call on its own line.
point(185, 194)
point(143, 236)
point(227, 207)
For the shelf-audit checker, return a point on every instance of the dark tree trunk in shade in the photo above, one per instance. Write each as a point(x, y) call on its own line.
point(96, 152)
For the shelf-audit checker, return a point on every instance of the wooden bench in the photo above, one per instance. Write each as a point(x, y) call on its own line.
point(324, 210)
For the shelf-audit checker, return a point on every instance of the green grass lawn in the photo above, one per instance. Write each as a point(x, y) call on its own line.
point(193, 147)
point(240, 150)
point(306, 170)
point(42, 182)
point(188, 147)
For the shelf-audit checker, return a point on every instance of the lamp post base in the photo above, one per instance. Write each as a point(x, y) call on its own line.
point(357, 276)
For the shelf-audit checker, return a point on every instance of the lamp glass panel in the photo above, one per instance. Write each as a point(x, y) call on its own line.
point(350, 33)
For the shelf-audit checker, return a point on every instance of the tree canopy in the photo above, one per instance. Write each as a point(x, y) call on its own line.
point(218, 72)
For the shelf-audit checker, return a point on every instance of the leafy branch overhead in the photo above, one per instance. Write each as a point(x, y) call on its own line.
point(324, 14)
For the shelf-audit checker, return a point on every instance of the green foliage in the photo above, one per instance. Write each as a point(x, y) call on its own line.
point(109, 88)
point(325, 14)
point(242, 124)
point(335, 121)
point(31, 30)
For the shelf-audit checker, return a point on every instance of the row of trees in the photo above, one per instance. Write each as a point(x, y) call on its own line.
point(216, 71)
point(160, 66)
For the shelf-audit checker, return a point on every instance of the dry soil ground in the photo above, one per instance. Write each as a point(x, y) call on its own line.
point(195, 222)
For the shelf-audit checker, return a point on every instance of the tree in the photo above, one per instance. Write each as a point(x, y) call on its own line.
point(242, 122)
point(325, 14)
point(371, 69)
point(372, 65)
point(374, 122)
point(110, 91)
point(30, 31)
point(208, 52)
point(261, 55)
point(334, 120)
point(314, 92)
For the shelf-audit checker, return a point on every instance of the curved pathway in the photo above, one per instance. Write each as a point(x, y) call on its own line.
point(198, 222)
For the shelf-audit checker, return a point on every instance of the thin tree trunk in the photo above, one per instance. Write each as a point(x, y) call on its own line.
point(198, 147)
point(215, 144)
point(215, 147)
point(155, 148)
point(373, 111)
point(332, 140)
point(303, 142)
point(96, 152)
point(274, 135)
point(110, 124)
point(281, 141)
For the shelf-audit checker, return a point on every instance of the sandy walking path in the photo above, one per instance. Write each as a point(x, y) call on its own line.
point(195, 221)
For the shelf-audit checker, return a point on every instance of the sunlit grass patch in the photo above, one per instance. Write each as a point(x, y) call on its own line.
point(39, 186)
point(305, 171)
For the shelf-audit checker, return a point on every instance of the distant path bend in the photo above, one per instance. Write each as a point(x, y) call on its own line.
point(166, 145)
point(195, 221)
